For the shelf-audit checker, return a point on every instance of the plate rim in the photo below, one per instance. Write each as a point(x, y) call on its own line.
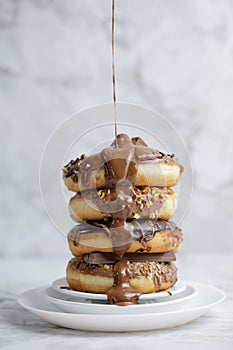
point(103, 296)
point(168, 302)
point(107, 316)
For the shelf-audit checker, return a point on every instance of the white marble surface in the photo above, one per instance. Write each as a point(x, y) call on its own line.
point(21, 330)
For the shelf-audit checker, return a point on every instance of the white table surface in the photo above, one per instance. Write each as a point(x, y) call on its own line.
point(21, 330)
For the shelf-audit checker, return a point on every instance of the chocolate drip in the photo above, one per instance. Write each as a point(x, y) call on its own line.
point(120, 163)
point(122, 293)
point(120, 173)
point(75, 234)
point(138, 141)
point(121, 236)
point(65, 287)
point(87, 166)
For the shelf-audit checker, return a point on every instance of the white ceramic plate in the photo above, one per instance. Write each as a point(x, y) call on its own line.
point(35, 301)
point(179, 287)
point(100, 307)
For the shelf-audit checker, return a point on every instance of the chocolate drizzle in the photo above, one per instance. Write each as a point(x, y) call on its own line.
point(120, 173)
point(122, 293)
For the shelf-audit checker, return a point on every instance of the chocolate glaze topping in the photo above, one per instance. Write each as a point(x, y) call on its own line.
point(83, 166)
point(142, 229)
point(159, 272)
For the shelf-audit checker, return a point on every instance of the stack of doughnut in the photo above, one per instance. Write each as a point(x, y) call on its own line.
point(123, 242)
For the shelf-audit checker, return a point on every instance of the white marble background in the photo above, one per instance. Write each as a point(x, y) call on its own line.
point(173, 56)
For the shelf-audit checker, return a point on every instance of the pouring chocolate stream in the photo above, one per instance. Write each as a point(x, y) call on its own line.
point(113, 66)
point(120, 173)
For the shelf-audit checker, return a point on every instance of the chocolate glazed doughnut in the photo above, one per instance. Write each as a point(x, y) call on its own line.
point(155, 169)
point(149, 202)
point(148, 272)
point(148, 235)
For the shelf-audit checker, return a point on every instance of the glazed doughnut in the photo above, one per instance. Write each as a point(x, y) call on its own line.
point(154, 168)
point(154, 236)
point(149, 174)
point(146, 277)
point(152, 202)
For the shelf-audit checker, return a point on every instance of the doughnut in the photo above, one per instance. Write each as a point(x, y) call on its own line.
point(152, 202)
point(154, 168)
point(150, 173)
point(149, 235)
point(145, 276)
